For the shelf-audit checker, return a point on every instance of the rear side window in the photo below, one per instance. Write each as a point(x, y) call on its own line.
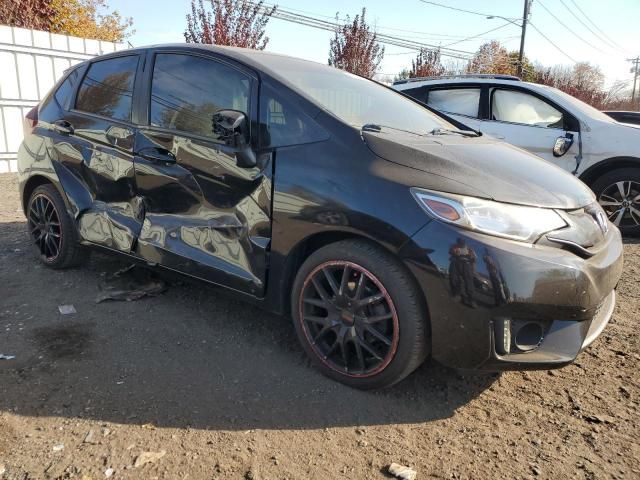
point(461, 101)
point(65, 90)
point(186, 92)
point(518, 107)
point(107, 88)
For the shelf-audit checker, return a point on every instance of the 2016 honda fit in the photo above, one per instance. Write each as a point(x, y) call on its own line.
point(388, 233)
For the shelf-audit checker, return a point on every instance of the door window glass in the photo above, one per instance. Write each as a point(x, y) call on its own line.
point(65, 90)
point(518, 107)
point(283, 123)
point(461, 101)
point(107, 88)
point(186, 91)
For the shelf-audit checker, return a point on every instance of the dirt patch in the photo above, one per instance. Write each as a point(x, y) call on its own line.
point(226, 392)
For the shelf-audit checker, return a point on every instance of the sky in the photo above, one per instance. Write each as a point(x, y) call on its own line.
point(162, 21)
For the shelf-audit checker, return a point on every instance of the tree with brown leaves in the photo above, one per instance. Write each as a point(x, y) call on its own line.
point(427, 64)
point(239, 23)
point(491, 58)
point(35, 14)
point(355, 47)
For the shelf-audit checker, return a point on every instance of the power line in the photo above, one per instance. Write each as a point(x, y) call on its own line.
point(314, 22)
point(598, 36)
point(478, 35)
point(552, 43)
point(472, 12)
point(568, 29)
point(596, 26)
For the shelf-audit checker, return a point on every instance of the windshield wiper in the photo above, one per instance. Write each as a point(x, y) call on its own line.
point(446, 131)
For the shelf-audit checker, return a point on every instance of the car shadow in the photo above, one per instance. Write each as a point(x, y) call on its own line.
point(191, 357)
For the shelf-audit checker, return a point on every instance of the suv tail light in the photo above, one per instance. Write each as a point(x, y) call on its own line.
point(30, 121)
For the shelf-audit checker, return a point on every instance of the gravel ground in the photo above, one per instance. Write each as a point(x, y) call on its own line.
point(201, 386)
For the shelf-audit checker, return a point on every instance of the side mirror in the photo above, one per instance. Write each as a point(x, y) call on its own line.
point(232, 127)
point(562, 145)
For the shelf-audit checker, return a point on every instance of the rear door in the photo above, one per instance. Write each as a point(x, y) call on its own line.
point(94, 140)
point(531, 122)
point(204, 215)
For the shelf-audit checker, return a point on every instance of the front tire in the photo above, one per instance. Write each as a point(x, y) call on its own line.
point(618, 192)
point(51, 229)
point(359, 315)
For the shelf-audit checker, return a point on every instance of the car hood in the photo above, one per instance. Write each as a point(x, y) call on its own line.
point(481, 167)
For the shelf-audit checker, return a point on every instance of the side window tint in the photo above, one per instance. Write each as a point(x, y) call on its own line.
point(65, 90)
point(282, 123)
point(461, 101)
point(518, 107)
point(186, 91)
point(107, 88)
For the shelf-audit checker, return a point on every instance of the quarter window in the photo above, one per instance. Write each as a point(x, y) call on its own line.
point(107, 88)
point(187, 91)
point(517, 107)
point(461, 101)
point(64, 91)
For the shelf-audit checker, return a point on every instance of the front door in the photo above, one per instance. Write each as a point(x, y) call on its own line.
point(204, 215)
point(529, 122)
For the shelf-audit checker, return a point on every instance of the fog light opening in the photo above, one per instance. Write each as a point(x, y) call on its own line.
point(529, 336)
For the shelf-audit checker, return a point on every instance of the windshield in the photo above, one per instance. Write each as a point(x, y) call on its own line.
point(358, 101)
point(581, 106)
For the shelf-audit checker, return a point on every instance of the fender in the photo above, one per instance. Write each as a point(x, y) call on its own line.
point(592, 173)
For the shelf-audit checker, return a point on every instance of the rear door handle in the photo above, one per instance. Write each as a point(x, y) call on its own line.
point(62, 126)
point(157, 155)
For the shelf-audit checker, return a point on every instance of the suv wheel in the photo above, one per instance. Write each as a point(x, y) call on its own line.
point(618, 192)
point(359, 315)
point(52, 230)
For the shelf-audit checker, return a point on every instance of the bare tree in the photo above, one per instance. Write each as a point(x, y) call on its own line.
point(355, 47)
point(237, 23)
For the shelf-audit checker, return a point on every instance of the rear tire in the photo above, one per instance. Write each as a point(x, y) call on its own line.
point(52, 230)
point(359, 315)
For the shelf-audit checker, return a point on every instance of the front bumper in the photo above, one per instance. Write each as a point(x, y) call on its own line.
point(476, 284)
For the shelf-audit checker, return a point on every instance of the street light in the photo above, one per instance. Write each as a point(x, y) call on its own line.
point(523, 27)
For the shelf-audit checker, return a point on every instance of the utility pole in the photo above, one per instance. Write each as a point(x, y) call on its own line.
point(635, 70)
point(525, 19)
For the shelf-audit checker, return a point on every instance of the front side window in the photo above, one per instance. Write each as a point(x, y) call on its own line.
point(107, 88)
point(186, 91)
point(518, 107)
point(461, 101)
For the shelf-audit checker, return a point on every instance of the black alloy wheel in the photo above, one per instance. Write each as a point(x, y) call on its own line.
point(45, 228)
point(360, 315)
point(349, 318)
point(52, 229)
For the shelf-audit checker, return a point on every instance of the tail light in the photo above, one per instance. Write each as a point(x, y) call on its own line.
point(30, 121)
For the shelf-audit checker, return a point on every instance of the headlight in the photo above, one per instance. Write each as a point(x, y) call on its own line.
point(525, 224)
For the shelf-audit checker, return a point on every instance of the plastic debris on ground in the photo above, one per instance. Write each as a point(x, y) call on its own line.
point(402, 472)
point(130, 283)
point(67, 309)
point(6, 357)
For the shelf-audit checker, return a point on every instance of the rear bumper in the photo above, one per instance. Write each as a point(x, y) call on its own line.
point(480, 302)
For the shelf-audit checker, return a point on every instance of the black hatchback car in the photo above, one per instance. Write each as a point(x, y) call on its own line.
point(388, 232)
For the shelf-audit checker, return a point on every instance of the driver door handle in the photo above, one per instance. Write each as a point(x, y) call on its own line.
point(157, 155)
point(62, 126)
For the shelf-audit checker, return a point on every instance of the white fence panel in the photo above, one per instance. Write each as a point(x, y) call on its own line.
point(31, 61)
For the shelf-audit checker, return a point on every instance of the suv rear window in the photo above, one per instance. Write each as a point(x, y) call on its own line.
point(107, 88)
point(461, 101)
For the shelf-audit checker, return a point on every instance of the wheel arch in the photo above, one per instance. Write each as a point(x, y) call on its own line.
point(592, 173)
point(31, 184)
